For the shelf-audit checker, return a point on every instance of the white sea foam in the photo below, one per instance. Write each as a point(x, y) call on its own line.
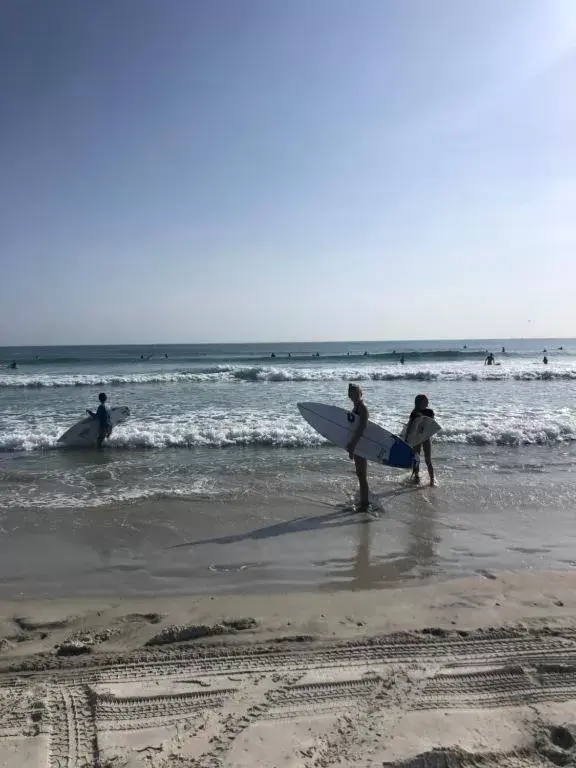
point(470, 371)
point(280, 431)
point(38, 496)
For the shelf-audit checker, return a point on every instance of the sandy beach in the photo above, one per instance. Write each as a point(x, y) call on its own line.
point(478, 671)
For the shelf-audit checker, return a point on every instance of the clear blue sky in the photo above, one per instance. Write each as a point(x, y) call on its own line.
point(243, 170)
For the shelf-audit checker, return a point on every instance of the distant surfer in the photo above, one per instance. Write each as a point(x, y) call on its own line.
point(401, 359)
point(355, 394)
point(545, 360)
point(421, 409)
point(102, 415)
point(489, 359)
point(13, 365)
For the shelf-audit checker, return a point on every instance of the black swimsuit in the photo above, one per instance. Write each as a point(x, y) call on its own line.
point(360, 461)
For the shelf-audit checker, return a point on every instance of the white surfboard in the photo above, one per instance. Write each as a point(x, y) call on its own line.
point(376, 444)
point(421, 429)
point(85, 433)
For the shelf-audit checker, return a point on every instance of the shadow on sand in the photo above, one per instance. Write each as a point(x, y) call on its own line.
point(342, 515)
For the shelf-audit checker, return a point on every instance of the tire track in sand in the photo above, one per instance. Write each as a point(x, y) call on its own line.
point(118, 713)
point(252, 703)
point(475, 648)
point(355, 682)
point(73, 738)
point(395, 694)
point(501, 686)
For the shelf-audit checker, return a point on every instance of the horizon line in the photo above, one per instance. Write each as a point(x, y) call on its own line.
point(300, 341)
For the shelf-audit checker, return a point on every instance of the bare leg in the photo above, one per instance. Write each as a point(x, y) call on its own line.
point(416, 470)
point(361, 473)
point(428, 458)
point(364, 491)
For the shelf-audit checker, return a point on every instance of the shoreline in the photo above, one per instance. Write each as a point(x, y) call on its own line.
point(480, 669)
point(290, 526)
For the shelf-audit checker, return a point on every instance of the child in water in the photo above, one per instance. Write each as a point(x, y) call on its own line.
point(421, 409)
point(103, 417)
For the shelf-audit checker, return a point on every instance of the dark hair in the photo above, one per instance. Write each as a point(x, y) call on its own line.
point(102, 397)
point(420, 400)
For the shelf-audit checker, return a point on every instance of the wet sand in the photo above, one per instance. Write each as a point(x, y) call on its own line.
point(465, 673)
point(279, 536)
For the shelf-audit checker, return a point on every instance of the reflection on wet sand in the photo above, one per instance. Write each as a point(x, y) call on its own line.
point(418, 561)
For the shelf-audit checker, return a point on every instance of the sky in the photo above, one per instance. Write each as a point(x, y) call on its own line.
point(259, 170)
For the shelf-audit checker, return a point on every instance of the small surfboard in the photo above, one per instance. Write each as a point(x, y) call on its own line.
point(85, 433)
point(421, 429)
point(376, 444)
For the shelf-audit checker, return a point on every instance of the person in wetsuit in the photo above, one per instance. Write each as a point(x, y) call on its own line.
point(359, 410)
point(421, 409)
point(102, 415)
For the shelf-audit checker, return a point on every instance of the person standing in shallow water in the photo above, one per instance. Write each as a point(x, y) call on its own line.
point(421, 409)
point(359, 410)
point(102, 416)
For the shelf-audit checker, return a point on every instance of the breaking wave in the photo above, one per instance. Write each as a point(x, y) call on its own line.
point(288, 433)
point(272, 374)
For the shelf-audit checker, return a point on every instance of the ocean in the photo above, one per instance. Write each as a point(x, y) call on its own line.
point(216, 483)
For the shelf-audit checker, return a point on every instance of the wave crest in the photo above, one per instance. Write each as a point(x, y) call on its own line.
point(279, 433)
point(258, 374)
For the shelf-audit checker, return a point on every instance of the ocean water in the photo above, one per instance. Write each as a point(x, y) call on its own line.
point(215, 444)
